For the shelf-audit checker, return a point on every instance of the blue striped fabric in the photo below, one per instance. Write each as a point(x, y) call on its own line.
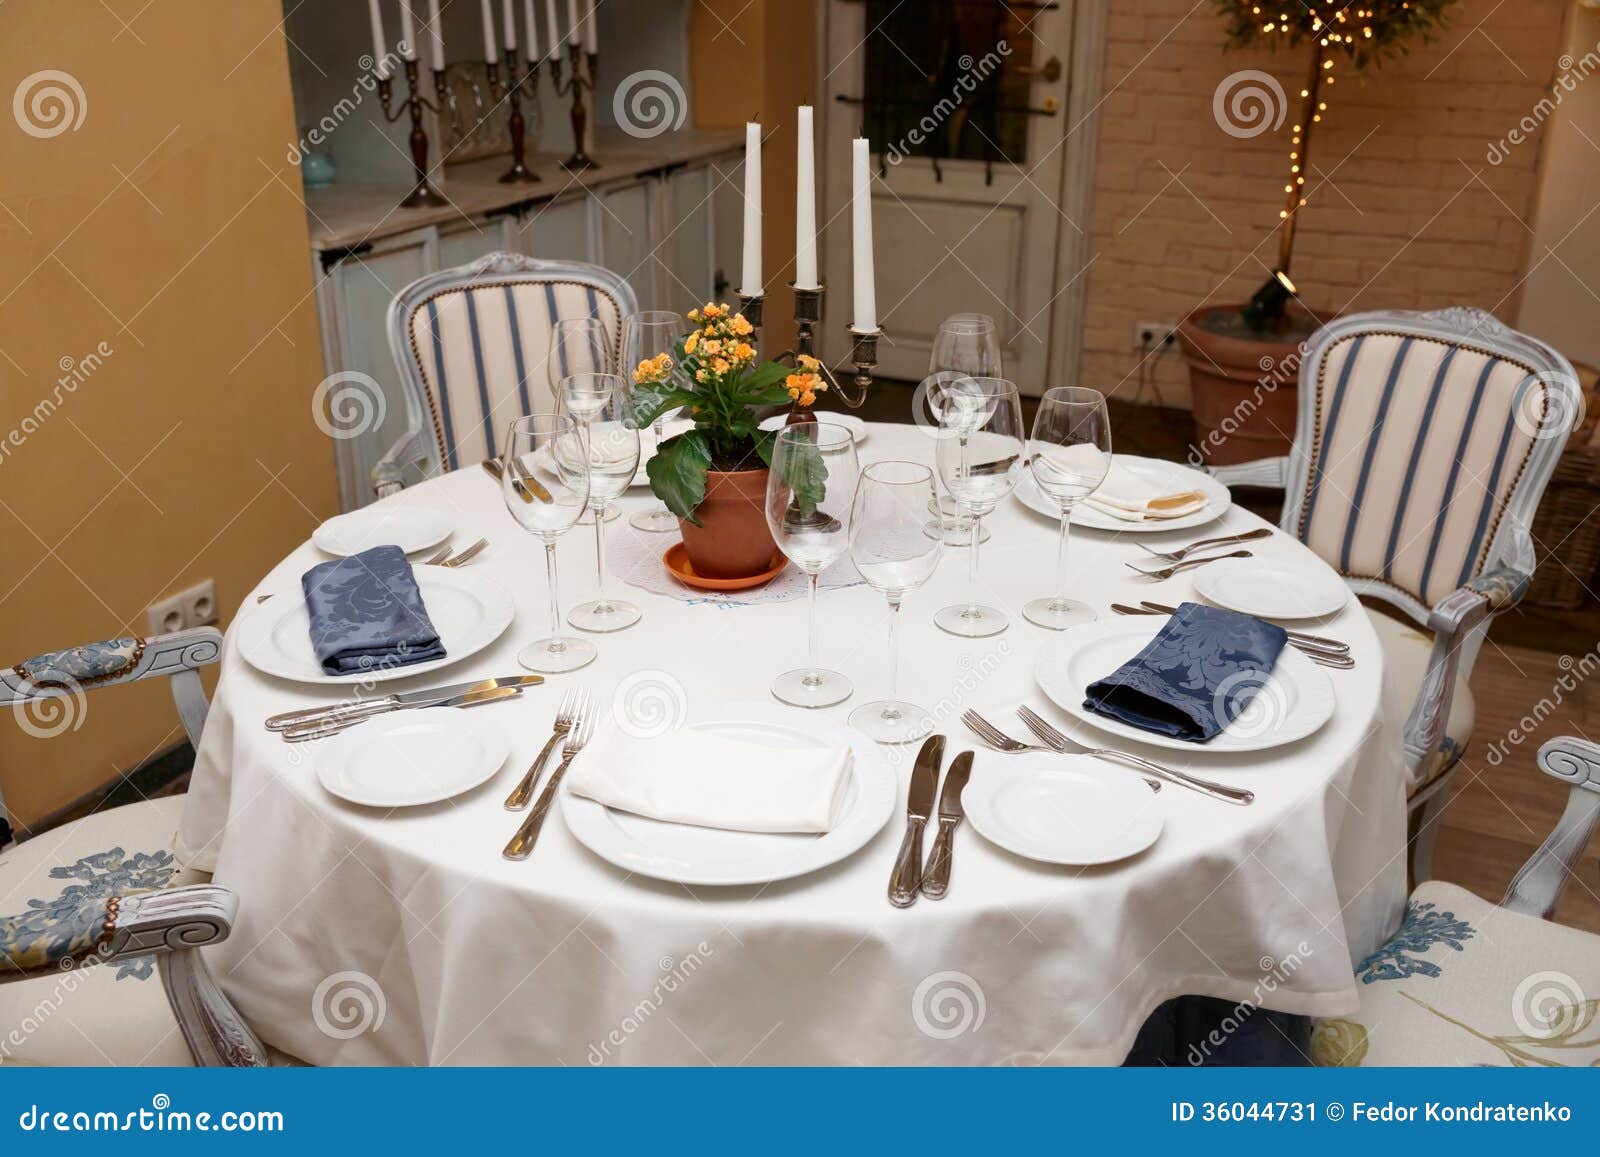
point(484, 408)
point(1373, 440)
point(1455, 471)
point(1488, 505)
point(1330, 431)
point(1416, 456)
point(442, 387)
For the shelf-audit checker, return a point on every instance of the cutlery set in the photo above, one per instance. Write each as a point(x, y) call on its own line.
point(909, 877)
point(525, 484)
point(1318, 648)
point(319, 722)
point(445, 556)
point(578, 712)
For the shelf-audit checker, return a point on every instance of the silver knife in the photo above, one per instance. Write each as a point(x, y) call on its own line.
point(907, 876)
point(361, 708)
point(333, 727)
point(936, 876)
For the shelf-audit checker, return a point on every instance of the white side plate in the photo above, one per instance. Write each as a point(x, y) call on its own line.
point(857, 428)
point(1170, 475)
point(411, 528)
point(412, 757)
point(1062, 809)
point(1272, 590)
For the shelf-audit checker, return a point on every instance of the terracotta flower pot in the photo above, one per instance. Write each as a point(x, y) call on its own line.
point(733, 540)
point(1245, 385)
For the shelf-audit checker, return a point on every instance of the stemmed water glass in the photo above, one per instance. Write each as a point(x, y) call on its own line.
point(809, 491)
point(1069, 453)
point(889, 548)
point(545, 484)
point(645, 336)
point(967, 345)
point(579, 345)
point(612, 444)
point(980, 461)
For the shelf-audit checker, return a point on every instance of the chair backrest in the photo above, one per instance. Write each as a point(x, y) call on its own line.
point(1425, 441)
point(470, 344)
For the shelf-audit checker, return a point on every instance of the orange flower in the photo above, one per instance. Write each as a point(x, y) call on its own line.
point(807, 362)
point(742, 327)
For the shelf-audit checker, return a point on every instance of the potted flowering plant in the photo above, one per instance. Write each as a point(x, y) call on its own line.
point(713, 476)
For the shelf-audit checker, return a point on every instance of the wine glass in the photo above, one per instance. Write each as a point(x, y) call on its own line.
point(809, 490)
point(967, 345)
point(935, 396)
point(979, 465)
point(613, 459)
point(1069, 453)
point(889, 548)
point(644, 336)
point(579, 345)
point(545, 484)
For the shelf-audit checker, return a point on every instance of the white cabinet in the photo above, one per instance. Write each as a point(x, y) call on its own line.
point(672, 232)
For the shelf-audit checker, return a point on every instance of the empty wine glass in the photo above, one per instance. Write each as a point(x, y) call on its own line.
point(613, 453)
point(932, 403)
point(645, 336)
point(889, 548)
point(967, 343)
point(809, 491)
point(1069, 453)
point(545, 484)
point(979, 465)
point(579, 345)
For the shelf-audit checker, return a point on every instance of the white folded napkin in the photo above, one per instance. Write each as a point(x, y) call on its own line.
point(690, 776)
point(1133, 498)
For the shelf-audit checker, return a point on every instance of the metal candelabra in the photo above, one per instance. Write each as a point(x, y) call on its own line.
point(807, 316)
point(513, 90)
point(574, 85)
point(422, 193)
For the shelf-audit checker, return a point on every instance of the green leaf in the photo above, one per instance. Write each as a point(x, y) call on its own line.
point(678, 472)
point(806, 474)
point(765, 439)
point(771, 396)
point(650, 403)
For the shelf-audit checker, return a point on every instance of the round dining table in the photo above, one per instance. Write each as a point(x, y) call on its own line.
point(403, 936)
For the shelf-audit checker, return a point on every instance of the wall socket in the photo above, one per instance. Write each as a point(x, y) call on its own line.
point(1152, 335)
point(194, 607)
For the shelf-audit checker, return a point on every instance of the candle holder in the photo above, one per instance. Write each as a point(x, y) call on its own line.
point(863, 351)
point(422, 193)
point(750, 306)
point(511, 92)
point(574, 86)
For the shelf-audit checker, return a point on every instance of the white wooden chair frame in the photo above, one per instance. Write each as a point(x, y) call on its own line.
point(1460, 619)
point(423, 442)
point(1537, 886)
point(174, 923)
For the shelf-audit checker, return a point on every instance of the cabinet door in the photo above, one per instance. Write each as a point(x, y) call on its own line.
point(627, 237)
point(470, 240)
point(354, 297)
point(688, 243)
point(727, 223)
point(561, 230)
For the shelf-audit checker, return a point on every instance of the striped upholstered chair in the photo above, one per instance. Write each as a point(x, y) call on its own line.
point(470, 345)
point(1425, 441)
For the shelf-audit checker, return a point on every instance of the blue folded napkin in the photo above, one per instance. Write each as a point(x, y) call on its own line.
point(1194, 678)
point(366, 613)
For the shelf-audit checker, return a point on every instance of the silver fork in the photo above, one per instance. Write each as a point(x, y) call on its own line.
point(1225, 540)
point(443, 557)
point(438, 556)
point(565, 714)
point(1168, 572)
point(1000, 741)
point(1037, 724)
point(522, 843)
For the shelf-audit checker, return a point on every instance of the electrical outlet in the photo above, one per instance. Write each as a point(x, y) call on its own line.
point(194, 607)
point(1152, 335)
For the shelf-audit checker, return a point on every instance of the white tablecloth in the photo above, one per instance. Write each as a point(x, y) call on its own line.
point(405, 938)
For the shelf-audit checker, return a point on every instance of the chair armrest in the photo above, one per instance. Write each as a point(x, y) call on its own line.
point(1537, 886)
point(53, 938)
point(388, 472)
point(1272, 473)
point(1453, 620)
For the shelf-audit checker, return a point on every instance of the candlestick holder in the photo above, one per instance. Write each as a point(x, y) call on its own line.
point(511, 91)
point(863, 352)
point(422, 193)
point(574, 86)
point(750, 306)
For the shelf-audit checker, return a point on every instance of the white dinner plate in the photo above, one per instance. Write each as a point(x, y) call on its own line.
point(685, 854)
point(1169, 475)
point(468, 610)
point(1272, 589)
point(1294, 701)
point(857, 428)
point(411, 528)
point(1062, 809)
point(412, 757)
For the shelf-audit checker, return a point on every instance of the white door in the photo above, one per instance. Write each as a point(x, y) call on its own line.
point(963, 105)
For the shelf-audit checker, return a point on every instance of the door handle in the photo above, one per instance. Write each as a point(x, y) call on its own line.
point(1049, 72)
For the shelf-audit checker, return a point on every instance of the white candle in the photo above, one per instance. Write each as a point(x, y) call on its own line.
point(805, 206)
point(379, 49)
point(550, 28)
point(532, 47)
point(408, 32)
point(591, 32)
point(509, 17)
point(750, 284)
point(572, 21)
point(436, 32)
point(866, 301)
point(489, 53)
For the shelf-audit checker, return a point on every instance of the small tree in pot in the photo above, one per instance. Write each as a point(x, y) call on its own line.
point(1244, 360)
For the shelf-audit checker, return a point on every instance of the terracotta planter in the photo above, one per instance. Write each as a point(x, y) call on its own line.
point(1245, 387)
point(733, 541)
